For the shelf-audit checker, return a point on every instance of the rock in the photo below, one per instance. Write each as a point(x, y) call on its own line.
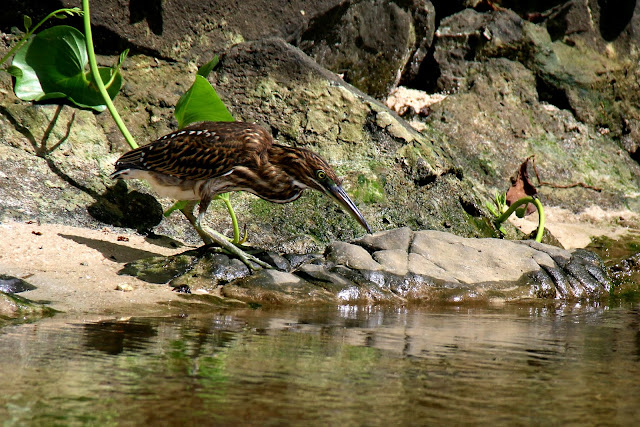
point(352, 256)
point(395, 175)
point(272, 287)
point(278, 261)
point(189, 30)
point(370, 42)
point(322, 276)
point(124, 287)
point(520, 91)
point(14, 307)
point(394, 261)
point(435, 267)
point(296, 260)
point(14, 285)
point(398, 238)
point(490, 147)
point(470, 36)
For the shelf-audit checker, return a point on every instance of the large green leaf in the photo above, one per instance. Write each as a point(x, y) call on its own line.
point(201, 103)
point(53, 64)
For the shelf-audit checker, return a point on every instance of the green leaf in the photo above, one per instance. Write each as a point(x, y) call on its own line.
point(123, 56)
point(53, 66)
point(27, 22)
point(491, 208)
point(14, 71)
point(201, 103)
point(27, 85)
point(206, 68)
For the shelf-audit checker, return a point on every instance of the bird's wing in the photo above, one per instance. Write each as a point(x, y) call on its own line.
point(201, 151)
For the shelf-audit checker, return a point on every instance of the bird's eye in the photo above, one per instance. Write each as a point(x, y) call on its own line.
point(321, 175)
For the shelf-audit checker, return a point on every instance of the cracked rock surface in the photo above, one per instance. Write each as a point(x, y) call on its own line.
point(396, 266)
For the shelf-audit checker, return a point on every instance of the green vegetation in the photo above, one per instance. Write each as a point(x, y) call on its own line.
point(501, 212)
point(369, 189)
point(201, 102)
point(52, 64)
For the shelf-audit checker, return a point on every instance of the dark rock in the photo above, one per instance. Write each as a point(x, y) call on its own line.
point(471, 36)
point(424, 23)
point(186, 30)
point(296, 260)
point(278, 261)
point(323, 277)
point(370, 42)
point(14, 285)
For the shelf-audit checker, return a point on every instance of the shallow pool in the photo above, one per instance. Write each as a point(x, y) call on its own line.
point(512, 365)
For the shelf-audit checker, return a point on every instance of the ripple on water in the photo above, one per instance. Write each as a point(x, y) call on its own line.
point(345, 365)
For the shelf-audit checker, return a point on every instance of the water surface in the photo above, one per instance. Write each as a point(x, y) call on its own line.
point(512, 365)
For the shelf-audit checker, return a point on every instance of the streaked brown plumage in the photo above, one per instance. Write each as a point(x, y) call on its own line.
point(210, 158)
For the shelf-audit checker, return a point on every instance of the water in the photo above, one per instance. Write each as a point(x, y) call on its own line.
point(513, 365)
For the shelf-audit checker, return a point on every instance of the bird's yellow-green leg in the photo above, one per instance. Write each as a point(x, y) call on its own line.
point(210, 236)
point(180, 204)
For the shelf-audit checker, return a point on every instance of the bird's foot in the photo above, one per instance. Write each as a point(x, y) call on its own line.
point(213, 237)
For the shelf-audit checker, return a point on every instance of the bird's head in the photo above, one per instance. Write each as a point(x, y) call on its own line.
point(313, 171)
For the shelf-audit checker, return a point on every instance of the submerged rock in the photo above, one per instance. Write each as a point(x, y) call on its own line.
point(398, 266)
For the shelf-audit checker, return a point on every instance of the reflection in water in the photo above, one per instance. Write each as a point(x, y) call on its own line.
point(351, 365)
point(114, 337)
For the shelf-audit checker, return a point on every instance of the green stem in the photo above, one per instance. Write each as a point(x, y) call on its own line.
point(236, 229)
point(116, 69)
point(98, 80)
point(536, 202)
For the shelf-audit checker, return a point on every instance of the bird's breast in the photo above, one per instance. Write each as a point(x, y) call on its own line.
point(166, 185)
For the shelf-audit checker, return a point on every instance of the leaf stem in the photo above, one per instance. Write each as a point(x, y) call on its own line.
point(536, 202)
point(225, 197)
point(98, 80)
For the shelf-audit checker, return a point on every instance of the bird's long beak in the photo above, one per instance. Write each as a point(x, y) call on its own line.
point(340, 196)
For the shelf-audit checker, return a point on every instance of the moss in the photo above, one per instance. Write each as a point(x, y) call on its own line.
point(16, 308)
point(161, 269)
point(622, 258)
point(369, 189)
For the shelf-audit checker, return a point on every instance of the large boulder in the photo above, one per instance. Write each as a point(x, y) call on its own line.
point(396, 175)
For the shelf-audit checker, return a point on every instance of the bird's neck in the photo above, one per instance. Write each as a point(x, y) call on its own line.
point(266, 179)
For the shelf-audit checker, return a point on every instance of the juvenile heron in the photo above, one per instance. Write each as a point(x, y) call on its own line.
point(209, 158)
